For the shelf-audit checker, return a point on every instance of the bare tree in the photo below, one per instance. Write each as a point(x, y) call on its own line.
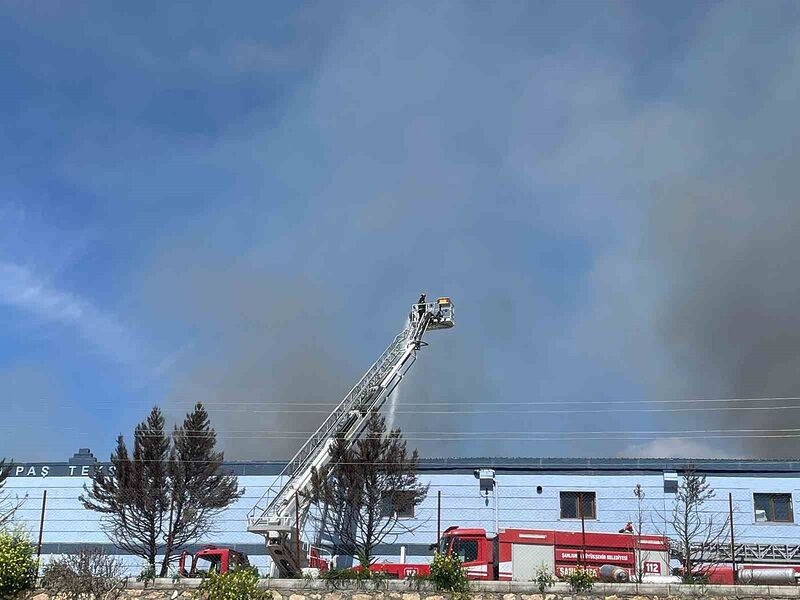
point(133, 494)
point(366, 489)
point(8, 505)
point(89, 573)
point(695, 530)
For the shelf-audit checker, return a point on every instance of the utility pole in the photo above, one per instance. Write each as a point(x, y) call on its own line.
point(733, 545)
point(41, 528)
point(496, 507)
point(438, 518)
point(583, 532)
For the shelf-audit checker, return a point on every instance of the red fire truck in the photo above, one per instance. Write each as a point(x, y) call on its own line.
point(211, 560)
point(516, 554)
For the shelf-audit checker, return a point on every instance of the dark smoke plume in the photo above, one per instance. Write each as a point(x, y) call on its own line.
point(606, 230)
point(730, 257)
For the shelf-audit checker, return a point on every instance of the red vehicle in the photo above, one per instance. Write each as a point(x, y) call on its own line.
point(755, 574)
point(223, 560)
point(211, 560)
point(316, 560)
point(516, 554)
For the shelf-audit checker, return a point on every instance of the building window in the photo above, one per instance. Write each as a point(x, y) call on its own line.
point(576, 505)
point(399, 503)
point(773, 508)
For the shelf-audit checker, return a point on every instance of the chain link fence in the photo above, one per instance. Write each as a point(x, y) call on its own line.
point(636, 512)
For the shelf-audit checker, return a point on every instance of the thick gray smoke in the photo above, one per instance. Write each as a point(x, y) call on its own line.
point(261, 345)
point(729, 257)
point(698, 293)
point(724, 238)
point(608, 226)
point(270, 354)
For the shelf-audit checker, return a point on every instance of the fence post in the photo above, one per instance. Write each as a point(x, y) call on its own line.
point(496, 508)
point(733, 545)
point(41, 528)
point(438, 518)
point(583, 536)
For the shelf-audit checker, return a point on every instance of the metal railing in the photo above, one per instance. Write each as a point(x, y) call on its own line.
point(753, 552)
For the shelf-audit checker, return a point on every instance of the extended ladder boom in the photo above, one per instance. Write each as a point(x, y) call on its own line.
point(284, 505)
point(750, 553)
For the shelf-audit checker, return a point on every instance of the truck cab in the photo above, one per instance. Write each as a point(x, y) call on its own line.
point(211, 560)
point(475, 550)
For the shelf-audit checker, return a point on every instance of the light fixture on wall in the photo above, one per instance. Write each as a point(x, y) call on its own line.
point(487, 482)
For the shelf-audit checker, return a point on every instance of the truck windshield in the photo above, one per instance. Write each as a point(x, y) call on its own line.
point(444, 545)
point(206, 565)
point(466, 550)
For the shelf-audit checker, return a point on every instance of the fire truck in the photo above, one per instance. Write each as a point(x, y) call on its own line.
point(753, 563)
point(211, 560)
point(516, 554)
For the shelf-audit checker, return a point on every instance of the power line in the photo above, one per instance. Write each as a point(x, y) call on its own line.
point(203, 432)
point(521, 412)
point(329, 405)
point(603, 436)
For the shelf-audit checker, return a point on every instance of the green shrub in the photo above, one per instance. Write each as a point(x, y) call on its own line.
point(418, 581)
point(580, 580)
point(334, 578)
point(17, 564)
point(234, 585)
point(447, 574)
point(147, 575)
point(358, 578)
point(544, 578)
point(695, 578)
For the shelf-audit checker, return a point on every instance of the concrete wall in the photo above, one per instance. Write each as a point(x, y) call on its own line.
point(293, 590)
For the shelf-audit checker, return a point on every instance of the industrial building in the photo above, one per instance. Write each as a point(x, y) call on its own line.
point(540, 493)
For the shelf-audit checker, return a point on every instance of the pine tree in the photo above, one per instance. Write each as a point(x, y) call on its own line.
point(199, 488)
point(132, 494)
point(365, 488)
point(167, 495)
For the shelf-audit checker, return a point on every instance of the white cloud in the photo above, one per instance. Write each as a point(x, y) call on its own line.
point(22, 289)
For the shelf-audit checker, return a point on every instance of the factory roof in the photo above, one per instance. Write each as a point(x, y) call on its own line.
point(83, 461)
point(744, 466)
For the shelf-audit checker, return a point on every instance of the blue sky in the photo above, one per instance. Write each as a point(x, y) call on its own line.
point(237, 204)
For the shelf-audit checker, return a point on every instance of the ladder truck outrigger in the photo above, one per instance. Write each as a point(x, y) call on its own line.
point(281, 512)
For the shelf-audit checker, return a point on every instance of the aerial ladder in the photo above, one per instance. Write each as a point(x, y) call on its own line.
point(281, 512)
point(766, 553)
